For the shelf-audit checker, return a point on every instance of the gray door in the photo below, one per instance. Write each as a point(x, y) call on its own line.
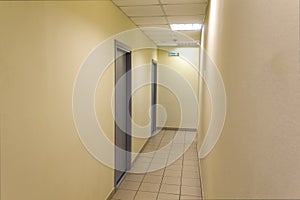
point(154, 96)
point(122, 113)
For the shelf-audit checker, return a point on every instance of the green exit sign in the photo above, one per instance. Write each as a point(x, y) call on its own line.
point(173, 54)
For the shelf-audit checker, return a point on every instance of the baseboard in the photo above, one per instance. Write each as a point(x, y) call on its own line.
point(200, 173)
point(177, 129)
point(111, 194)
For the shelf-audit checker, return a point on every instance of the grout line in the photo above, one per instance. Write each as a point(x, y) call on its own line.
point(183, 155)
point(148, 169)
point(165, 14)
point(199, 172)
point(164, 169)
point(139, 186)
point(116, 189)
point(161, 4)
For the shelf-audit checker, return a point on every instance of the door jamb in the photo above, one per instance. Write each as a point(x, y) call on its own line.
point(154, 62)
point(121, 46)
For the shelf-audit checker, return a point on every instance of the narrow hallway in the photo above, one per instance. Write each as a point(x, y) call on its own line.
point(179, 180)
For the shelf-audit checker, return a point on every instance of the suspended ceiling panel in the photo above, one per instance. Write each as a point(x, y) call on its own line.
point(186, 19)
point(142, 11)
point(149, 20)
point(182, 1)
point(159, 14)
point(135, 2)
point(163, 26)
point(185, 9)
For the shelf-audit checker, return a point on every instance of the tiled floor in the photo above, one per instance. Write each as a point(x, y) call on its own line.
point(169, 174)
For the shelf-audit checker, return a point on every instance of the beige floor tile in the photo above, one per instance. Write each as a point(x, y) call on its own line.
point(143, 159)
point(134, 177)
point(192, 148)
point(171, 180)
point(190, 163)
point(172, 173)
point(189, 154)
point(145, 196)
point(191, 158)
point(163, 196)
point(189, 198)
point(139, 168)
point(165, 142)
point(187, 174)
point(174, 161)
point(148, 151)
point(173, 170)
point(193, 191)
point(160, 160)
point(124, 195)
point(149, 187)
point(152, 179)
point(191, 168)
point(177, 162)
point(174, 167)
point(167, 182)
point(156, 167)
point(130, 185)
point(157, 172)
point(191, 182)
point(170, 189)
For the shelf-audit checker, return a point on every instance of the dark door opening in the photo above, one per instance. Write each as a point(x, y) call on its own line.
point(122, 111)
point(153, 96)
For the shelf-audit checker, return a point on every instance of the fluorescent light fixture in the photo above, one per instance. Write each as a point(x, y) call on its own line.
point(186, 27)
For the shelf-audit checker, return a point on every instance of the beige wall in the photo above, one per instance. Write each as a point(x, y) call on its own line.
point(141, 100)
point(205, 112)
point(255, 44)
point(42, 47)
point(186, 66)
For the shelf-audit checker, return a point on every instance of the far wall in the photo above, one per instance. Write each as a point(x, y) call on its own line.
point(183, 72)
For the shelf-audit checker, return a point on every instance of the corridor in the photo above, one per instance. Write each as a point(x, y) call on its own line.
point(179, 180)
point(149, 99)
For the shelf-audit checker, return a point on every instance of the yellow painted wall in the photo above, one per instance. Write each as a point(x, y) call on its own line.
point(186, 66)
point(205, 112)
point(255, 44)
point(42, 47)
point(141, 100)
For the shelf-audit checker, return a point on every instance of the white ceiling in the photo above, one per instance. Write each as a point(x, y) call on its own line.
point(159, 14)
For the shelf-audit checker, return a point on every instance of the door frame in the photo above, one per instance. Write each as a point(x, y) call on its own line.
point(153, 93)
point(123, 47)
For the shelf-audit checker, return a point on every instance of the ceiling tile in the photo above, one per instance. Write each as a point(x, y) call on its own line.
point(185, 9)
point(159, 32)
point(193, 34)
point(133, 11)
point(182, 37)
point(182, 1)
point(186, 19)
point(135, 2)
point(188, 44)
point(155, 26)
point(160, 44)
point(149, 20)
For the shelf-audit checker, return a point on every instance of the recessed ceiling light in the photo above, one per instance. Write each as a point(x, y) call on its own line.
point(186, 27)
